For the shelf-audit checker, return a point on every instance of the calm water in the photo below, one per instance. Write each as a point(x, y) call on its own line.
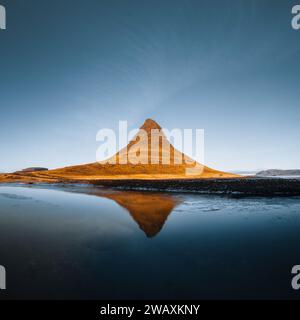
point(96, 243)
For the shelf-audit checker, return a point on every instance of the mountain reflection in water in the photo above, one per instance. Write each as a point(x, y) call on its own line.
point(149, 210)
point(79, 242)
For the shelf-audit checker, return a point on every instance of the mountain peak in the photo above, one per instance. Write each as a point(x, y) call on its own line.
point(150, 124)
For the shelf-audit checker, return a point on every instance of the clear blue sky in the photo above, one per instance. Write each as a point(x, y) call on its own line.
point(71, 67)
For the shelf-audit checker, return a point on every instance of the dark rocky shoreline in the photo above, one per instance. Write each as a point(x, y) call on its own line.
point(235, 187)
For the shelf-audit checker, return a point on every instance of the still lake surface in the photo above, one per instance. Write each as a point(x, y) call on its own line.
point(95, 243)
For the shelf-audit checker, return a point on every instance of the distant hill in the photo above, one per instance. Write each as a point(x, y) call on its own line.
point(278, 172)
point(32, 169)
